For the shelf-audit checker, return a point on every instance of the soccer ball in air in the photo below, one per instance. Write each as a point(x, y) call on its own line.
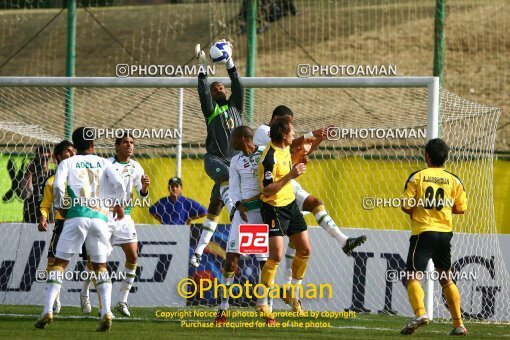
point(220, 52)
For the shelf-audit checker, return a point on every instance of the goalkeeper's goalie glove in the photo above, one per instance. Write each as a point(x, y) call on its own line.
point(200, 55)
point(230, 62)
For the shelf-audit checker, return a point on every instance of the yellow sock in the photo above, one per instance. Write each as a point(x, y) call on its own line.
point(268, 272)
point(299, 265)
point(416, 296)
point(451, 292)
point(89, 264)
point(49, 265)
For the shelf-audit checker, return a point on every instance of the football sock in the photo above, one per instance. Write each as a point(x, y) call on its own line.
point(416, 296)
point(227, 280)
point(209, 226)
point(127, 283)
point(225, 196)
point(289, 257)
point(326, 222)
point(104, 287)
point(52, 288)
point(451, 292)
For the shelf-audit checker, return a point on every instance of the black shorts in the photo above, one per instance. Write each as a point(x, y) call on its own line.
point(57, 230)
point(286, 220)
point(428, 245)
point(216, 168)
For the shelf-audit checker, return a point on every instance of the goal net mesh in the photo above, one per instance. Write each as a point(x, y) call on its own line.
point(364, 160)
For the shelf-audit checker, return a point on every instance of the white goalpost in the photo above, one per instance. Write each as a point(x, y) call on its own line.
point(343, 172)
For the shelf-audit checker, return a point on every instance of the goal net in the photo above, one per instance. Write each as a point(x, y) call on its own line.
point(377, 141)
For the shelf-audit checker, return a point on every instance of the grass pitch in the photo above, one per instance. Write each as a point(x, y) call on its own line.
point(17, 322)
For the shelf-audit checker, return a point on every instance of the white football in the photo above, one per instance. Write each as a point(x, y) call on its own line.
point(220, 52)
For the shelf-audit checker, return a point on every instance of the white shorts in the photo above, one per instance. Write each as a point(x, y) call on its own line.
point(254, 217)
point(300, 193)
point(91, 231)
point(122, 231)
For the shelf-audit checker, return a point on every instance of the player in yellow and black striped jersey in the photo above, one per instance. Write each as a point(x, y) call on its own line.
point(279, 208)
point(63, 150)
point(431, 197)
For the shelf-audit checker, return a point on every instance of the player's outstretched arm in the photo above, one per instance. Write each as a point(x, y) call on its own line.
point(204, 93)
point(303, 150)
point(237, 97)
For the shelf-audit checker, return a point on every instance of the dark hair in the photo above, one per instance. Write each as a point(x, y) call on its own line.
point(243, 131)
point(278, 128)
point(125, 134)
point(83, 138)
point(60, 147)
point(438, 151)
point(282, 111)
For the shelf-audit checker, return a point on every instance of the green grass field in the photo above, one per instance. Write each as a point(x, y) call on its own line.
point(18, 322)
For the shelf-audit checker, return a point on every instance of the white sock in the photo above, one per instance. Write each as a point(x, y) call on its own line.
point(327, 223)
point(51, 290)
point(225, 197)
point(269, 298)
point(227, 281)
point(104, 288)
point(289, 257)
point(127, 283)
point(296, 289)
point(86, 285)
point(260, 292)
point(207, 232)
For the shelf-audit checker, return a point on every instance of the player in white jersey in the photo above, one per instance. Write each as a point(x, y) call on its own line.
point(92, 186)
point(306, 201)
point(123, 231)
point(245, 192)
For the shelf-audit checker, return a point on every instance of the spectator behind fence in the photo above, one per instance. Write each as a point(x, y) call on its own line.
point(32, 183)
point(177, 209)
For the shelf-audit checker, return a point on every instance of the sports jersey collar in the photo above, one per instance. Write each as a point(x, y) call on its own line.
point(254, 152)
point(117, 160)
point(278, 148)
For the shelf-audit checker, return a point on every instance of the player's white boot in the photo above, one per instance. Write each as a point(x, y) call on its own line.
point(85, 304)
point(461, 330)
point(44, 320)
point(57, 305)
point(414, 324)
point(122, 308)
point(195, 260)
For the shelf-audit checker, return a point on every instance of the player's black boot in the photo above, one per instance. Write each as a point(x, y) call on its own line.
point(353, 242)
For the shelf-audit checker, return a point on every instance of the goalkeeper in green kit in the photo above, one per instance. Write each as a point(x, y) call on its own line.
point(222, 115)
